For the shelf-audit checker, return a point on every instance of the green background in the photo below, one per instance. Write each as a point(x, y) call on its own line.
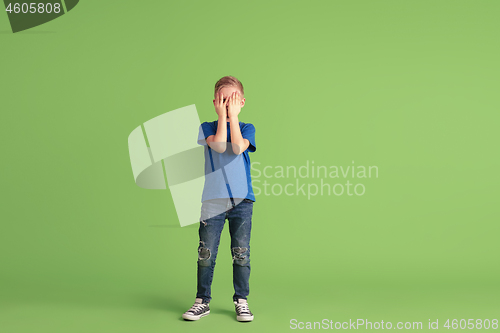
point(411, 87)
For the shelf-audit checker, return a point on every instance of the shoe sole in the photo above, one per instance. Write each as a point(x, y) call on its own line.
point(192, 317)
point(244, 318)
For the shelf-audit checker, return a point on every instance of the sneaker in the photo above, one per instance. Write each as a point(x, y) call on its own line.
point(242, 311)
point(197, 311)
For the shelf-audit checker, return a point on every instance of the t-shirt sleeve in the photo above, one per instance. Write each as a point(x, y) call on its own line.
point(205, 131)
point(248, 132)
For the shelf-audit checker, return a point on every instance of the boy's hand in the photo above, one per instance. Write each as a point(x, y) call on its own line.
point(234, 105)
point(220, 105)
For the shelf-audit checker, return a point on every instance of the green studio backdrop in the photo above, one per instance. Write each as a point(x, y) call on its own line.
point(409, 88)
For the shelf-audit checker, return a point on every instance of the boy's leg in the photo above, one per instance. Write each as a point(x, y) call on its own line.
point(210, 230)
point(240, 225)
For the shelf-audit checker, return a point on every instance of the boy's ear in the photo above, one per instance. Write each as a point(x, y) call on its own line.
point(242, 102)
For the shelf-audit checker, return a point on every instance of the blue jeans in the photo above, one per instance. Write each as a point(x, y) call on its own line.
point(213, 217)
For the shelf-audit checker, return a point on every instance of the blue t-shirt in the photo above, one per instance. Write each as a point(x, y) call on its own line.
point(227, 175)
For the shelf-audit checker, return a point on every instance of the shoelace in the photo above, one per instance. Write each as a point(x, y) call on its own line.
point(242, 308)
point(197, 307)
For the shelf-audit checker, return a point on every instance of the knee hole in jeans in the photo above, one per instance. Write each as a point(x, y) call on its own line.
point(203, 252)
point(240, 255)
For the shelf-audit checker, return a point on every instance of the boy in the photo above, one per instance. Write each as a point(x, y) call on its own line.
point(227, 194)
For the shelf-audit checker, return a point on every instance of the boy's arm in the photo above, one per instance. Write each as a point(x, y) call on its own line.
point(239, 144)
point(218, 141)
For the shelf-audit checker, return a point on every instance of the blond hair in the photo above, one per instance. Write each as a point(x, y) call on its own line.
point(229, 81)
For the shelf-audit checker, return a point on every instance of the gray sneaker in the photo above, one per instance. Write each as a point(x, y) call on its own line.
point(197, 311)
point(242, 311)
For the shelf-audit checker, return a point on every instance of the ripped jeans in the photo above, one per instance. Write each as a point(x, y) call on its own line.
point(213, 217)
